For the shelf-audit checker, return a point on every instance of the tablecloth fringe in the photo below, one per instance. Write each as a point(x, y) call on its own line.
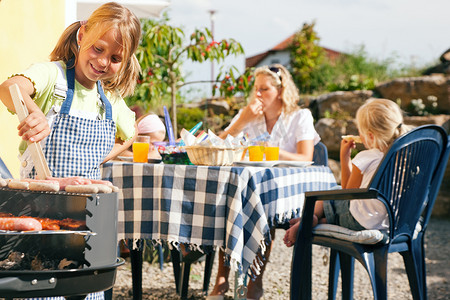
point(283, 218)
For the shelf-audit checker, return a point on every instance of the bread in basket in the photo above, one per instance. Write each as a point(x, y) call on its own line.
point(214, 156)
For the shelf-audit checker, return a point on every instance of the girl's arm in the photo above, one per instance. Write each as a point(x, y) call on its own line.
point(34, 127)
point(346, 162)
point(305, 151)
point(121, 146)
point(355, 179)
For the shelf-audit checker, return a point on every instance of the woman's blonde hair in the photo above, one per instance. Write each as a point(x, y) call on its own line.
point(384, 119)
point(108, 16)
point(283, 80)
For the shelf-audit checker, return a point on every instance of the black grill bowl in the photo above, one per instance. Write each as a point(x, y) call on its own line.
point(67, 283)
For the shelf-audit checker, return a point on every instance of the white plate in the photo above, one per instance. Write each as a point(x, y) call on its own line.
point(130, 159)
point(274, 163)
point(125, 158)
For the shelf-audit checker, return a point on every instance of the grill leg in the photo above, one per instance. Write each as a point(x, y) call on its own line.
point(136, 273)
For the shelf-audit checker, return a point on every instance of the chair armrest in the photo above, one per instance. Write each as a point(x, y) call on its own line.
point(337, 195)
point(342, 194)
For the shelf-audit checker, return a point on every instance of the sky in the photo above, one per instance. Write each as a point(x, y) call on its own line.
point(414, 31)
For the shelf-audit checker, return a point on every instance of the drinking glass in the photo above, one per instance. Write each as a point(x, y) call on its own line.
point(272, 151)
point(256, 152)
point(141, 147)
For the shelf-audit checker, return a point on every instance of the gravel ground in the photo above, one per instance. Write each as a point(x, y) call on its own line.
point(159, 284)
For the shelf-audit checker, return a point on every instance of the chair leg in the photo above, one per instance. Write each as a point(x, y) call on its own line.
point(209, 262)
point(175, 255)
point(333, 274)
point(301, 278)
point(376, 266)
point(136, 273)
point(415, 268)
point(347, 270)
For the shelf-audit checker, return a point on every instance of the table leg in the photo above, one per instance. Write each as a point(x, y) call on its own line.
point(240, 286)
point(136, 273)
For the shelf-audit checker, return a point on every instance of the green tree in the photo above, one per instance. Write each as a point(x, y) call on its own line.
point(306, 56)
point(161, 54)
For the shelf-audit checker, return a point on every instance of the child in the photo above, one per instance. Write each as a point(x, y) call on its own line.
point(380, 122)
point(79, 125)
point(152, 126)
point(90, 56)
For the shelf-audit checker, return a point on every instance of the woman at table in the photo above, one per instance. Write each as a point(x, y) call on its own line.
point(273, 108)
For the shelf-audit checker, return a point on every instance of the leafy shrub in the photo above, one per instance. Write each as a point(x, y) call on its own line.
point(189, 117)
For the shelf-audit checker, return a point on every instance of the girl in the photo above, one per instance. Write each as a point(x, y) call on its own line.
point(380, 122)
point(67, 106)
point(274, 109)
point(79, 124)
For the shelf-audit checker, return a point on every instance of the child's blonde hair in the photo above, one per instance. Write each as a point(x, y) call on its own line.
point(282, 79)
point(108, 16)
point(384, 119)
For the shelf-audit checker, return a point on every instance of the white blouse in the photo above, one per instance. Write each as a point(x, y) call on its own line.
point(288, 130)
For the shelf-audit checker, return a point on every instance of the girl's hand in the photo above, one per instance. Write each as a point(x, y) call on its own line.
point(35, 127)
point(346, 149)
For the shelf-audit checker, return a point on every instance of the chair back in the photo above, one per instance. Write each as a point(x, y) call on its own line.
point(407, 176)
point(434, 187)
point(4, 172)
point(320, 156)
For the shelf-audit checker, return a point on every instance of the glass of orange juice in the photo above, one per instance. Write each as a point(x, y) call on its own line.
point(256, 152)
point(272, 151)
point(141, 147)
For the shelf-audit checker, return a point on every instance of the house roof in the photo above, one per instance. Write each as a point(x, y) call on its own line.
point(255, 59)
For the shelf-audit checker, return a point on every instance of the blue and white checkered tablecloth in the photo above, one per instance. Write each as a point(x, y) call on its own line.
point(228, 207)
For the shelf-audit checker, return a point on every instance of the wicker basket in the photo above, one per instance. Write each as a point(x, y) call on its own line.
point(212, 156)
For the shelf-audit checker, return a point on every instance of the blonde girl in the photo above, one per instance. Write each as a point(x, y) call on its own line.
point(380, 122)
point(75, 102)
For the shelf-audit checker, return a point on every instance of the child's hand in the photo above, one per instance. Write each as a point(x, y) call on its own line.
point(346, 149)
point(34, 128)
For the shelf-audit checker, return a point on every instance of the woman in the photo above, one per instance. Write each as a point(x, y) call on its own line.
point(274, 109)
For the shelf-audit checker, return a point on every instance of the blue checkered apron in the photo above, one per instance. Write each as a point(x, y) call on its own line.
point(77, 146)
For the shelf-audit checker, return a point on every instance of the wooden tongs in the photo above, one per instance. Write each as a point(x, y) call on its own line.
point(40, 163)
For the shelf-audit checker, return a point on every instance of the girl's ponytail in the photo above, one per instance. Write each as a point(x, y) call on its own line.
point(67, 45)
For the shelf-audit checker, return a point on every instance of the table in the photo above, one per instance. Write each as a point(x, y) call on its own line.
point(229, 207)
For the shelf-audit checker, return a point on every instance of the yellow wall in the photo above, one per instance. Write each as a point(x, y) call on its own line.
point(28, 32)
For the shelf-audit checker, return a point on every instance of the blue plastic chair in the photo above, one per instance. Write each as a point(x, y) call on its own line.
point(4, 172)
point(407, 182)
point(320, 156)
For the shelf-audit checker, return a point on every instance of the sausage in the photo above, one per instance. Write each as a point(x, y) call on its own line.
point(82, 189)
point(63, 182)
point(103, 188)
point(20, 224)
point(105, 182)
point(18, 184)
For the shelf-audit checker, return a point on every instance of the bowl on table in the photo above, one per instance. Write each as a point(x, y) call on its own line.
point(172, 154)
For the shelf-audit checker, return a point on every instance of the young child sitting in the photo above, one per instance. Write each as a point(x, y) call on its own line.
point(379, 122)
point(152, 126)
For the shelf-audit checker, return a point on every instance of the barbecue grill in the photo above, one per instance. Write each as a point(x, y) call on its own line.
point(90, 253)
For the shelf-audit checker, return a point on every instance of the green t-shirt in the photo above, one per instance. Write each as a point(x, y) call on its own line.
point(44, 77)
